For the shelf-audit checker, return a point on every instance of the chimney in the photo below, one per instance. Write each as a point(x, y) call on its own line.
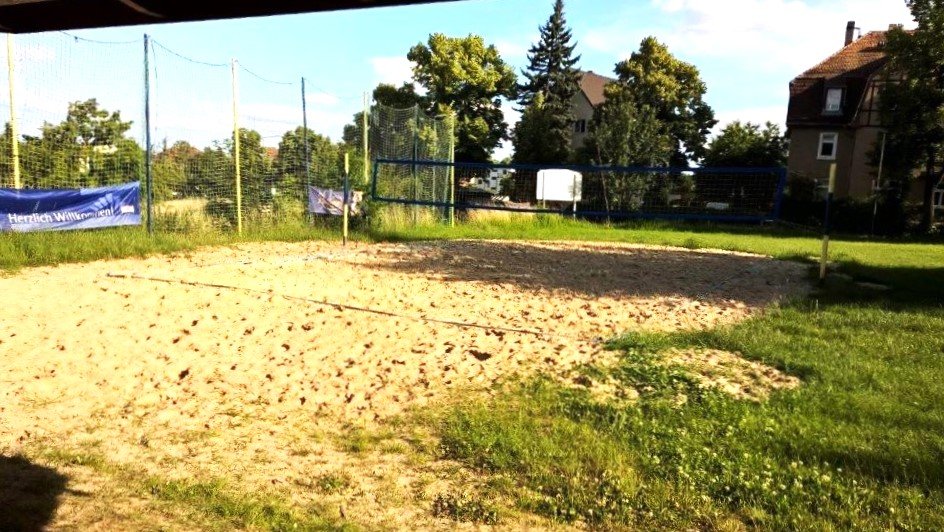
point(895, 27)
point(850, 31)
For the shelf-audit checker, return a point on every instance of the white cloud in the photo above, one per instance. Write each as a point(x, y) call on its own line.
point(757, 115)
point(753, 34)
point(511, 51)
point(324, 99)
point(392, 70)
point(505, 149)
point(32, 54)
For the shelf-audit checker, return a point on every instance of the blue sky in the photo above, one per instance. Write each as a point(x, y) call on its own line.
point(746, 50)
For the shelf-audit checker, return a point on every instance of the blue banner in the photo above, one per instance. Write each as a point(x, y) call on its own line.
point(63, 209)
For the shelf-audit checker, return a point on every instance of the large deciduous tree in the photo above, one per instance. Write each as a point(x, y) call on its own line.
point(324, 157)
point(746, 144)
point(912, 103)
point(674, 90)
point(88, 148)
point(553, 77)
point(465, 76)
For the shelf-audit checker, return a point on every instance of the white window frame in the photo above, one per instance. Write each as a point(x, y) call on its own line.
point(838, 109)
point(823, 140)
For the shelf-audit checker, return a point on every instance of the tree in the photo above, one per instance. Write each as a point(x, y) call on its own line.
point(323, 162)
point(88, 148)
point(912, 101)
point(530, 135)
point(401, 97)
point(255, 168)
point(464, 75)
point(553, 76)
point(746, 144)
point(673, 89)
point(626, 133)
point(171, 170)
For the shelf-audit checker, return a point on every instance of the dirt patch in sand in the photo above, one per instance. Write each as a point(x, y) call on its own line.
point(243, 362)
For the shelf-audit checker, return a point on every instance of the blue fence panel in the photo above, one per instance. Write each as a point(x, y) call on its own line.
point(721, 194)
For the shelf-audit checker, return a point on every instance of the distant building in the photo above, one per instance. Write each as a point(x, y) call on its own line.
point(587, 99)
point(833, 115)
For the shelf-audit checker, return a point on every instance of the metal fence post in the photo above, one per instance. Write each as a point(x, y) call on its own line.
point(149, 178)
point(307, 148)
point(365, 127)
point(239, 189)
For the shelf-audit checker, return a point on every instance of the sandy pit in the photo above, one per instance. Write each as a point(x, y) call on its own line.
point(235, 362)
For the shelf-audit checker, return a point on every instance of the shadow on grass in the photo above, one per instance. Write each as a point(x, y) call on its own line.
point(29, 494)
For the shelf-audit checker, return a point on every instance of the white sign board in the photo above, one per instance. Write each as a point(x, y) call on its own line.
point(559, 185)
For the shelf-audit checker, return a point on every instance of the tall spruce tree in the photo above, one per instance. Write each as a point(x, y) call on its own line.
point(551, 73)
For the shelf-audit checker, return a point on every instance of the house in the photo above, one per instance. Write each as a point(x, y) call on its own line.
point(589, 96)
point(833, 116)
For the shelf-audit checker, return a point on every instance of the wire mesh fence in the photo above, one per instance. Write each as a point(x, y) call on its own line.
point(722, 194)
point(214, 144)
point(217, 145)
point(71, 110)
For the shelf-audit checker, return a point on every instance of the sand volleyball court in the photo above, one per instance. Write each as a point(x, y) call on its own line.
point(241, 363)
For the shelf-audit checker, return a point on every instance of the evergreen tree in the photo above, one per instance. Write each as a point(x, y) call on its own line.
point(551, 73)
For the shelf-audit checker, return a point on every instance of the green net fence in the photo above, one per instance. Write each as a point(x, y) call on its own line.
point(413, 136)
point(77, 113)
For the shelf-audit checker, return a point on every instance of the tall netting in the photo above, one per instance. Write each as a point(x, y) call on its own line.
point(274, 173)
point(196, 107)
point(193, 168)
point(413, 138)
point(77, 111)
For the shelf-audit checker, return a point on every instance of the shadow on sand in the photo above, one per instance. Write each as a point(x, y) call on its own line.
point(29, 494)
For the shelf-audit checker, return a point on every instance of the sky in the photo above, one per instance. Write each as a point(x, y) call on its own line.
point(746, 50)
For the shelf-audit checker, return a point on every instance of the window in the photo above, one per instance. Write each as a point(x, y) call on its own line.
point(833, 100)
point(580, 126)
point(827, 146)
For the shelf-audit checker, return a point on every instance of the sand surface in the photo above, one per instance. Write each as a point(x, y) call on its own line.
point(235, 362)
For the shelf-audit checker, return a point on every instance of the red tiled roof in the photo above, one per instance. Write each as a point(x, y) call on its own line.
point(850, 68)
point(271, 152)
point(860, 58)
point(592, 85)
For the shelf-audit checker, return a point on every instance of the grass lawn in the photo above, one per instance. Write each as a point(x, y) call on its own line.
point(20, 250)
point(859, 445)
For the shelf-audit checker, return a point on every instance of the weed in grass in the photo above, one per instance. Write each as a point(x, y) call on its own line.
point(358, 440)
point(333, 483)
point(466, 508)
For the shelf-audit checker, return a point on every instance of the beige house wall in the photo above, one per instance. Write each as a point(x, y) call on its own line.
point(854, 175)
point(803, 160)
point(582, 111)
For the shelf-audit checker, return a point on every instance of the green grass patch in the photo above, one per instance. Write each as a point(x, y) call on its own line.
point(254, 512)
point(214, 503)
point(19, 250)
point(860, 445)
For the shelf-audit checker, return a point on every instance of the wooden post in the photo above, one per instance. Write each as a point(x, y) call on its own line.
point(14, 133)
point(826, 222)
